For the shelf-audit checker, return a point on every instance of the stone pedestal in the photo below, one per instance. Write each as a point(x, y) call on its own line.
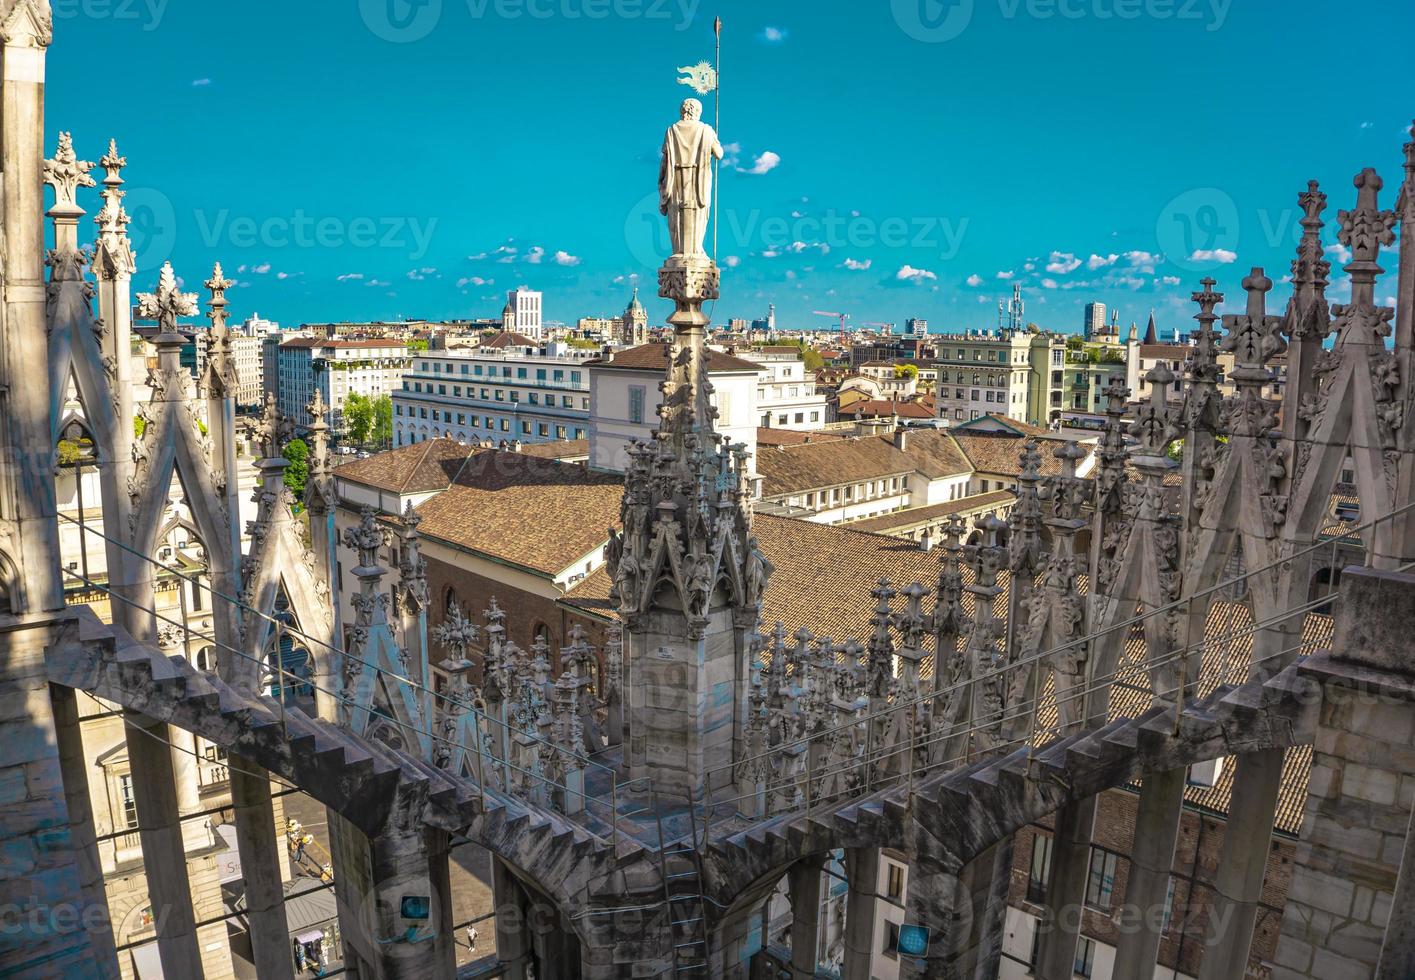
point(1349, 909)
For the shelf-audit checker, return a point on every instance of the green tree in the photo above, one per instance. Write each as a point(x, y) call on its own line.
point(69, 452)
point(812, 359)
point(417, 345)
point(139, 426)
point(298, 456)
point(358, 418)
point(909, 371)
point(383, 422)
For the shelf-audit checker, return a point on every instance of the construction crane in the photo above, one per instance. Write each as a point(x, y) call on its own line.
point(843, 318)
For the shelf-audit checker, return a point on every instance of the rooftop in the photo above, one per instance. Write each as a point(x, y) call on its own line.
point(885, 523)
point(424, 467)
point(1002, 454)
point(654, 357)
point(808, 466)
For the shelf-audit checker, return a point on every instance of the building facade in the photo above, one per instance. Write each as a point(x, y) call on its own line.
point(337, 369)
point(1012, 373)
point(513, 393)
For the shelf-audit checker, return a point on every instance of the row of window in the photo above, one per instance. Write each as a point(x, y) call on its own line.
point(994, 356)
point(852, 494)
point(786, 418)
point(495, 394)
point(521, 373)
point(988, 395)
point(523, 429)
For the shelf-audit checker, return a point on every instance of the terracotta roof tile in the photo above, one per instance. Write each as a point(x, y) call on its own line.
point(791, 437)
point(794, 469)
point(885, 408)
point(654, 357)
point(536, 513)
point(1002, 455)
point(423, 467)
point(822, 579)
point(977, 503)
point(511, 339)
point(935, 454)
point(561, 449)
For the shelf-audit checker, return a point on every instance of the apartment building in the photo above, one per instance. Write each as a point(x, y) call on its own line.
point(1014, 373)
point(509, 388)
point(339, 368)
point(786, 392)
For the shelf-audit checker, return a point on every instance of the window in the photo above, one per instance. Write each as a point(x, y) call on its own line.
point(1100, 883)
point(126, 800)
point(895, 882)
point(1040, 873)
point(1085, 958)
point(891, 940)
point(636, 403)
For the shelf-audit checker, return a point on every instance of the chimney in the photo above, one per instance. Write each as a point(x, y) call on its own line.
point(901, 439)
point(926, 543)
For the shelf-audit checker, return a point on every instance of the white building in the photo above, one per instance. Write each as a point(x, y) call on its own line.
point(786, 392)
point(340, 368)
point(625, 396)
point(523, 307)
point(497, 391)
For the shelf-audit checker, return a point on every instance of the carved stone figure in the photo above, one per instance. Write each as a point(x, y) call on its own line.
point(685, 179)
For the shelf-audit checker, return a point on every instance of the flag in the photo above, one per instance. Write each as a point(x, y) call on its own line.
point(702, 77)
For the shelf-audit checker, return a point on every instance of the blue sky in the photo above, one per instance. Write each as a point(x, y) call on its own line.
point(364, 159)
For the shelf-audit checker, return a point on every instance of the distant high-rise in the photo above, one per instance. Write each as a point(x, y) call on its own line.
point(915, 327)
point(1094, 320)
point(524, 307)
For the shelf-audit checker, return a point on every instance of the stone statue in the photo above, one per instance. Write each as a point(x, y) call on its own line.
point(685, 179)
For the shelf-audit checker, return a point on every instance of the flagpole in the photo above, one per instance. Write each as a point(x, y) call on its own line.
point(717, 127)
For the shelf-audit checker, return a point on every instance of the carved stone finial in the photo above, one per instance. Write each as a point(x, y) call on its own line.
point(167, 303)
point(27, 24)
point(1366, 227)
point(366, 538)
point(66, 173)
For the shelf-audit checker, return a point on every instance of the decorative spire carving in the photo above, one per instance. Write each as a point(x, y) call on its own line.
point(456, 634)
point(220, 379)
point(66, 173)
point(114, 258)
point(412, 567)
point(167, 304)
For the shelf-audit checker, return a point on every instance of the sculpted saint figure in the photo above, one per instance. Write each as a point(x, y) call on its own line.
point(685, 179)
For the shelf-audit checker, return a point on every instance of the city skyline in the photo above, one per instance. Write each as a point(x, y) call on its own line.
point(374, 209)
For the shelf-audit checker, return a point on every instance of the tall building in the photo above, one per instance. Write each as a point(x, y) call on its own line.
point(1093, 321)
point(523, 307)
point(916, 328)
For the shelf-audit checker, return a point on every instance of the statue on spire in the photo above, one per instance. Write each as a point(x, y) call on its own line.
point(685, 179)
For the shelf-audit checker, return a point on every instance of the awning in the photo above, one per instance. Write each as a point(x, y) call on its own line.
point(313, 936)
point(147, 964)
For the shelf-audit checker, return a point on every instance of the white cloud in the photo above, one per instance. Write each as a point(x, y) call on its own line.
point(262, 269)
point(1144, 261)
point(774, 35)
point(1049, 284)
point(1063, 262)
point(770, 253)
point(1220, 255)
point(1367, 125)
point(502, 253)
point(565, 258)
point(1170, 280)
point(1006, 273)
point(287, 275)
point(1101, 261)
point(535, 255)
point(475, 281)
point(908, 273)
point(204, 82)
point(766, 162)
point(1342, 253)
point(732, 261)
point(855, 265)
point(1130, 282)
point(974, 280)
point(351, 277)
point(1029, 267)
point(377, 282)
point(798, 247)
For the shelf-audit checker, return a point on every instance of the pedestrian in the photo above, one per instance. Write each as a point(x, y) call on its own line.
point(472, 937)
